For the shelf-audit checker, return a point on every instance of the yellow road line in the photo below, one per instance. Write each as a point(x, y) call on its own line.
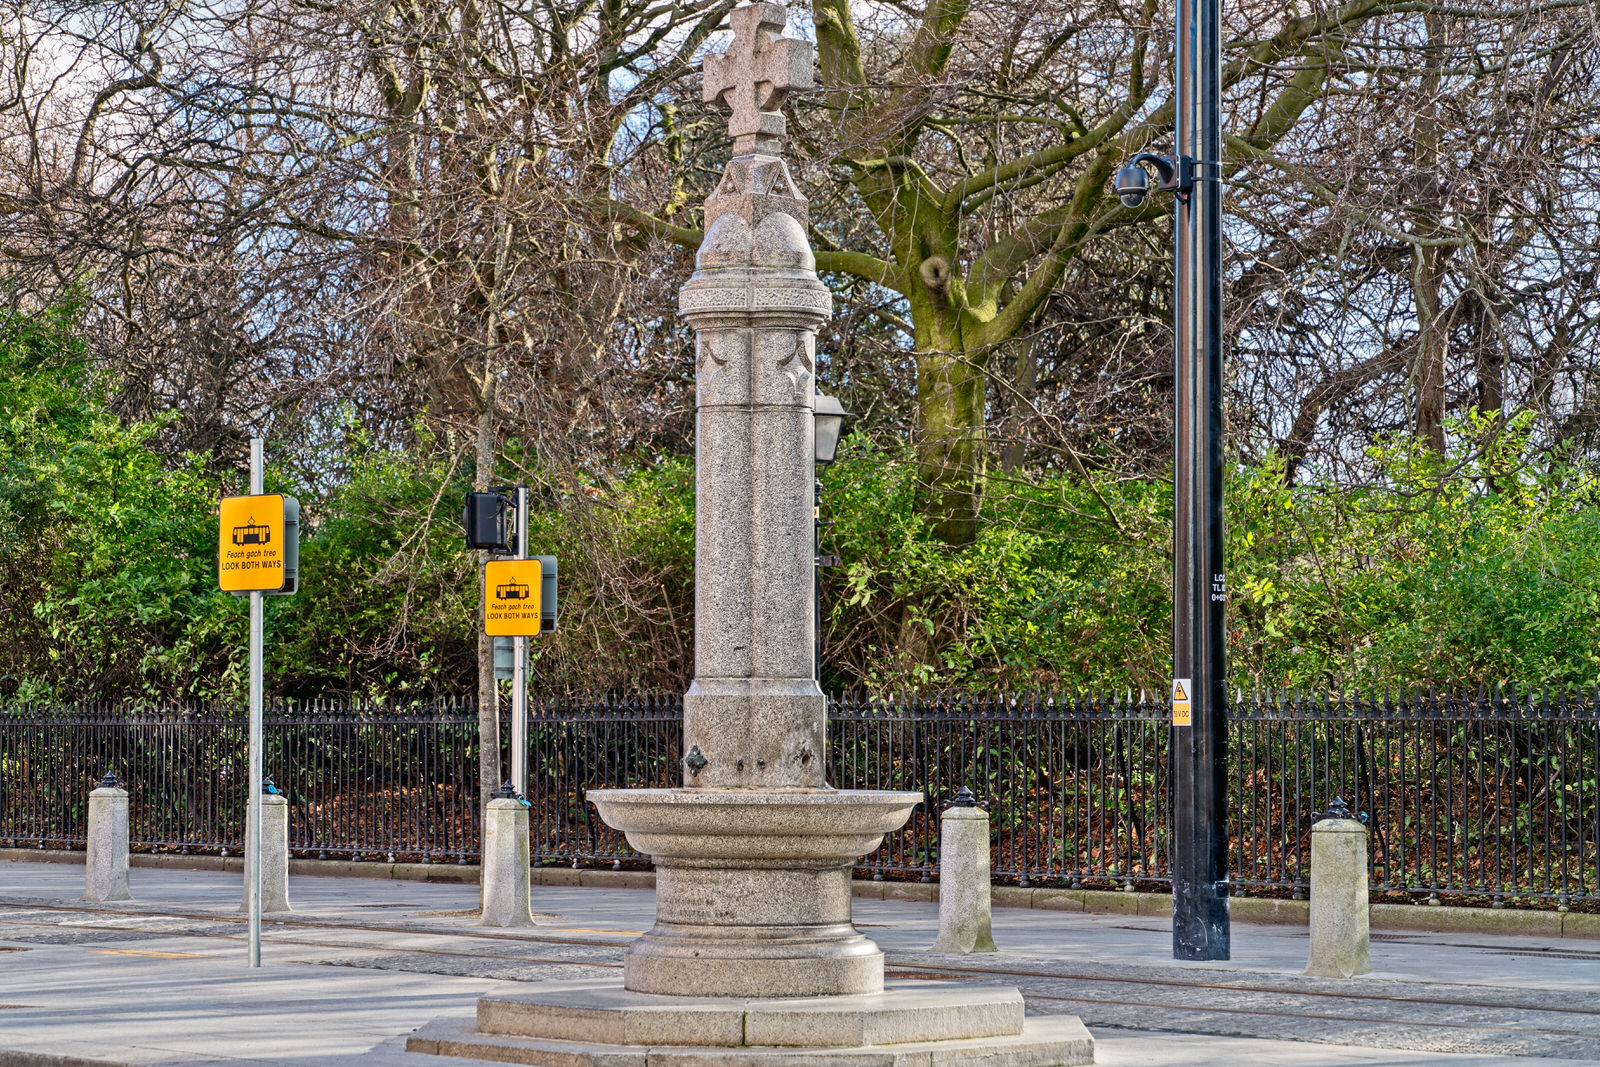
point(146, 952)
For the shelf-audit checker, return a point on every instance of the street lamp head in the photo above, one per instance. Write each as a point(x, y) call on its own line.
point(829, 416)
point(1132, 184)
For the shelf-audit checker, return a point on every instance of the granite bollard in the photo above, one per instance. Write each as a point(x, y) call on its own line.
point(274, 854)
point(505, 862)
point(964, 917)
point(1340, 935)
point(105, 870)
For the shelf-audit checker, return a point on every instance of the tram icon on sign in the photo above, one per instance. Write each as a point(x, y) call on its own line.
point(512, 591)
point(252, 533)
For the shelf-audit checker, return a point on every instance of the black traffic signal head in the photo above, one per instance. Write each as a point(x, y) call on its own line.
point(487, 518)
point(291, 549)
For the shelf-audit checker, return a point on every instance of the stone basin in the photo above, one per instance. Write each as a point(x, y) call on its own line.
point(700, 826)
point(753, 888)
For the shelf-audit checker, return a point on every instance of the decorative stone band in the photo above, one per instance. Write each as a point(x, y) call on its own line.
point(813, 304)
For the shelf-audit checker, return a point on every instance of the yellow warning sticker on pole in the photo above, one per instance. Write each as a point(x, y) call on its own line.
point(250, 544)
point(1180, 701)
point(511, 597)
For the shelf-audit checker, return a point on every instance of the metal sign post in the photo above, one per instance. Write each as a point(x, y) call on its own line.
point(252, 832)
point(1200, 927)
point(258, 554)
point(519, 668)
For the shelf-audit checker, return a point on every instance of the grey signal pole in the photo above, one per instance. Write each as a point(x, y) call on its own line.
point(519, 668)
point(252, 844)
point(1199, 591)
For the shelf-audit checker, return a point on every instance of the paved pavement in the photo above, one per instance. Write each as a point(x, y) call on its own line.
point(162, 979)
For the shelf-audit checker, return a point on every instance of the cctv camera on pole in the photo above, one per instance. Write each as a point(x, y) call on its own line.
point(1175, 174)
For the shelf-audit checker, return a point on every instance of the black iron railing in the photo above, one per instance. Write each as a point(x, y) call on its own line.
point(578, 745)
point(362, 778)
point(1490, 795)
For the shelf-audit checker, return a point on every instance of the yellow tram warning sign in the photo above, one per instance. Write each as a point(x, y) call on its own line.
point(250, 544)
point(511, 603)
point(1180, 701)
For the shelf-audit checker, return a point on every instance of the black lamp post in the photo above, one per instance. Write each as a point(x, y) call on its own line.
point(1200, 928)
point(829, 417)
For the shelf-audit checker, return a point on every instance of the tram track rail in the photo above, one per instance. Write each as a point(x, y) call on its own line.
point(1214, 1009)
point(269, 935)
point(1236, 987)
point(240, 920)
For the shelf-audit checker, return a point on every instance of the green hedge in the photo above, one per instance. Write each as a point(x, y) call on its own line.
point(1477, 567)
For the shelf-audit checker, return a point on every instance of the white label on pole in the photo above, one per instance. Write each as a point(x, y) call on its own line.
point(1181, 689)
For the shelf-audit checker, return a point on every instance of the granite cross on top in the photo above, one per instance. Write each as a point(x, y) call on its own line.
point(754, 75)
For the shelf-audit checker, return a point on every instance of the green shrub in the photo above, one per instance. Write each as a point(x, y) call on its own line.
point(107, 552)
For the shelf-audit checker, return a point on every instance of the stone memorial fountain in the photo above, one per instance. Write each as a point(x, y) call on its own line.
point(753, 958)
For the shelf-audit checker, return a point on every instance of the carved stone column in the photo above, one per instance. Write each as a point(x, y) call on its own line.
point(753, 719)
point(754, 854)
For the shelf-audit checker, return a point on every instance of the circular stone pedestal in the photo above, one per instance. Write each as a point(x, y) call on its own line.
point(753, 888)
point(911, 1024)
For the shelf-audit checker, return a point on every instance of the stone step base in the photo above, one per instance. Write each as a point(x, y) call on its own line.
point(1045, 1041)
point(603, 1012)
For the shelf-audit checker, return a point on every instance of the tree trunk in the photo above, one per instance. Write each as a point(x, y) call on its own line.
point(1428, 261)
point(489, 771)
point(1491, 368)
point(951, 391)
point(951, 450)
point(1433, 341)
point(1024, 386)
